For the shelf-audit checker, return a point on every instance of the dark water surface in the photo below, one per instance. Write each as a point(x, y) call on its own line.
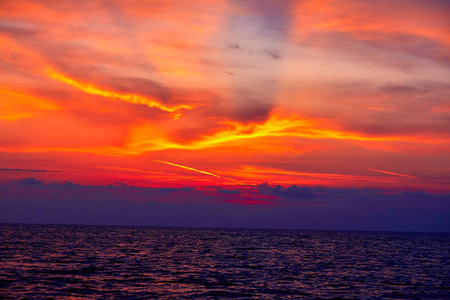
point(46, 261)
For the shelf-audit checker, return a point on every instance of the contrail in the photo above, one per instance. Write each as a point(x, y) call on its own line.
point(392, 173)
point(192, 169)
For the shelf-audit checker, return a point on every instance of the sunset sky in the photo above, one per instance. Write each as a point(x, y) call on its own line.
point(208, 100)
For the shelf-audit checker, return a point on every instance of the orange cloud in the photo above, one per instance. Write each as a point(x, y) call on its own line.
point(373, 20)
point(148, 138)
point(17, 105)
point(130, 98)
point(222, 84)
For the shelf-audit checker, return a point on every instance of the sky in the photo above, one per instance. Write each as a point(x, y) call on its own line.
point(313, 114)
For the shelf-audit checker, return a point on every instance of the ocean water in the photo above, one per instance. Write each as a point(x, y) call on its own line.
point(59, 261)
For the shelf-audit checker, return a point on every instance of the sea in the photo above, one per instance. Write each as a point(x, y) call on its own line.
point(113, 262)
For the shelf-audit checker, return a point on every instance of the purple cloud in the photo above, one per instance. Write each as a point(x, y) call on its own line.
point(32, 201)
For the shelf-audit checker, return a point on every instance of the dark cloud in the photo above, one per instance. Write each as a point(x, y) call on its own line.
point(393, 108)
point(362, 194)
point(245, 107)
point(432, 90)
point(387, 123)
point(30, 181)
point(165, 191)
point(32, 201)
point(259, 30)
point(293, 191)
point(418, 46)
point(64, 185)
point(234, 46)
point(273, 53)
point(17, 29)
point(222, 191)
point(419, 194)
point(274, 16)
point(25, 170)
point(387, 49)
point(396, 88)
point(251, 111)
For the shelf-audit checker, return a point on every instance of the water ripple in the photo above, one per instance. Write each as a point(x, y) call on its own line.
point(43, 261)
